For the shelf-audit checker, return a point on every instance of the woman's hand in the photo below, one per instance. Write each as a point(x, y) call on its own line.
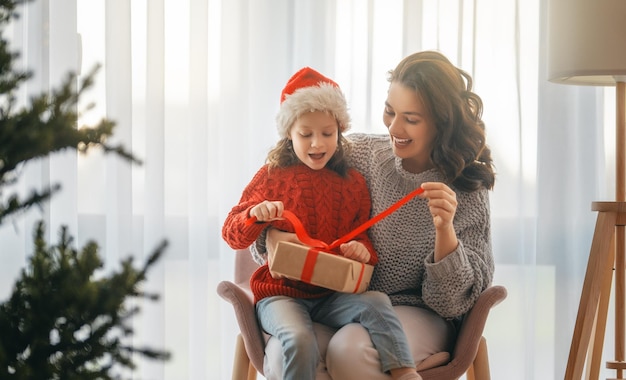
point(267, 211)
point(355, 250)
point(442, 205)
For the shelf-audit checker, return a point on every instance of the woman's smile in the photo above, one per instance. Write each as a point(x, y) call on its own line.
point(401, 142)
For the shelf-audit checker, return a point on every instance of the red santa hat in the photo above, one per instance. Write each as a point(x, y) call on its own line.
point(309, 91)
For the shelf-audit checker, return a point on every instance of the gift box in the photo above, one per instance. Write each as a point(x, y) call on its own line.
point(320, 268)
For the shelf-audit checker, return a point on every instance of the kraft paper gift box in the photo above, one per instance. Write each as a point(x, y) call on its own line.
point(329, 271)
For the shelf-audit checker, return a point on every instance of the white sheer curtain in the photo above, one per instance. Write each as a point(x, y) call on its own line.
point(194, 86)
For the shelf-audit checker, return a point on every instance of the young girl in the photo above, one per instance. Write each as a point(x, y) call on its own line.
point(307, 174)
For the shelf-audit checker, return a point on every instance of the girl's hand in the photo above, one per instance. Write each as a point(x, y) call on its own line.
point(355, 250)
point(267, 211)
point(442, 203)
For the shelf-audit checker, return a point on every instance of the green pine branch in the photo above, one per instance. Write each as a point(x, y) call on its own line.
point(47, 125)
point(63, 321)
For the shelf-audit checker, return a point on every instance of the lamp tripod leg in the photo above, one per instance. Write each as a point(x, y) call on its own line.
point(597, 266)
point(599, 329)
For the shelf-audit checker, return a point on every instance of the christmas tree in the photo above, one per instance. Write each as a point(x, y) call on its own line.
point(63, 319)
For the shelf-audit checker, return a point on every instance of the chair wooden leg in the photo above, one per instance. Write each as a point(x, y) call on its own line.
point(470, 375)
point(479, 370)
point(242, 367)
point(251, 372)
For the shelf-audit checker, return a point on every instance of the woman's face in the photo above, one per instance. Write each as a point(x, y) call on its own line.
point(314, 136)
point(411, 128)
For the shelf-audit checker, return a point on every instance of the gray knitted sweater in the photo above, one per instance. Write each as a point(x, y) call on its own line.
point(405, 239)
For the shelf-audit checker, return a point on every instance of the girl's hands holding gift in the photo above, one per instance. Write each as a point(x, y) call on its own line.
point(355, 250)
point(267, 211)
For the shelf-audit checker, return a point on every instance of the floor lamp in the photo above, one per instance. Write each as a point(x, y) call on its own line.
point(587, 46)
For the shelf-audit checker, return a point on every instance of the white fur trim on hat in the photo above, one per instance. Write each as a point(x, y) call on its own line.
point(323, 97)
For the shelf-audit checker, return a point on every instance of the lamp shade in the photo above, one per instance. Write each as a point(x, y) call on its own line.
point(587, 42)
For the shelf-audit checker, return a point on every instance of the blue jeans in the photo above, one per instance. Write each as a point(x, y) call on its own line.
point(290, 320)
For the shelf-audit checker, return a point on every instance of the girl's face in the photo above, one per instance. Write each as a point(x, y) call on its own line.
point(314, 136)
point(411, 128)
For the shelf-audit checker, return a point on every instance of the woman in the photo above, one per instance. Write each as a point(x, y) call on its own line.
point(434, 252)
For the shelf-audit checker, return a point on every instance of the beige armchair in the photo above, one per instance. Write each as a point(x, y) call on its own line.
point(469, 355)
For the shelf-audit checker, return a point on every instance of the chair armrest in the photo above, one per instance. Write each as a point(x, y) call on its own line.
point(474, 322)
point(243, 304)
point(470, 333)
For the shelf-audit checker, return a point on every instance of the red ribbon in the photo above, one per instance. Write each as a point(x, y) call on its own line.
point(360, 279)
point(309, 265)
point(318, 245)
point(351, 235)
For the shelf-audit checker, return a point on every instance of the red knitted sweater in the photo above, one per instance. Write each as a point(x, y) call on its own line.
point(328, 205)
